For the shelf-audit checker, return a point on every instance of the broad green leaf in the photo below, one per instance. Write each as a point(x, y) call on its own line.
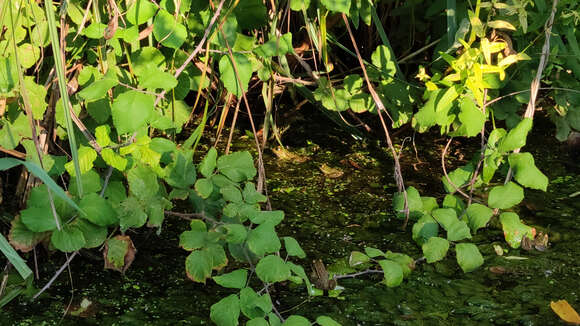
point(191, 240)
point(516, 137)
point(374, 252)
point(298, 5)
point(525, 171)
point(94, 235)
point(237, 166)
point(260, 217)
point(257, 322)
point(228, 74)
point(218, 255)
point(332, 99)
point(204, 187)
point(501, 24)
point(429, 204)
point(393, 272)
point(102, 134)
point(208, 164)
point(251, 14)
point(232, 194)
point(36, 96)
point(147, 58)
point(296, 320)
point(113, 159)
point(435, 249)
point(181, 172)
point(91, 182)
point(472, 119)
point(514, 230)
point(452, 201)
point(38, 219)
point(293, 248)
point(157, 79)
point(505, 196)
point(226, 312)
point(251, 196)
point(342, 6)
point(382, 58)
point(119, 253)
point(98, 89)
point(21, 238)
point(272, 269)
point(425, 228)
point(140, 12)
point(446, 217)
point(131, 214)
point(99, 110)
point(263, 240)
point(326, 321)
point(98, 210)
point(142, 182)
point(254, 305)
point(198, 266)
point(236, 233)
point(168, 31)
point(468, 257)
point(458, 231)
point(28, 56)
point(131, 111)
point(86, 156)
point(275, 47)
point(405, 261)
point(414, 202)
point(70, 238)
point(478, 216)
point(357, 258)
point(459, 177)
point(8, 74)
point(234, 280)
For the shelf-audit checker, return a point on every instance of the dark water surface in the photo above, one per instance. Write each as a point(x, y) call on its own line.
point(331, 217)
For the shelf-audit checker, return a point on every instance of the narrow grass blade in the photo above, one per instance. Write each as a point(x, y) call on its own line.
point(451, 22)
point(14, 258)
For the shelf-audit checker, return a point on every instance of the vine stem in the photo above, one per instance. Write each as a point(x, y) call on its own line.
point(381, 108)
point(535, 85)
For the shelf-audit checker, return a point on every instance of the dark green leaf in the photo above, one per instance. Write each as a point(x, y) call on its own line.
point(435, 249)
point(226, 312)
point(272, 269)
point(468, 257)
point(505, 196)
point(70, 238)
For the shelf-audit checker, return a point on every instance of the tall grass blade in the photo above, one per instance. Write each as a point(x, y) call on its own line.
point(14, 258)
point(451, 22)
point(59, 67)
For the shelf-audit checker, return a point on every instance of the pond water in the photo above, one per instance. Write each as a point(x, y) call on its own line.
point(330, 217)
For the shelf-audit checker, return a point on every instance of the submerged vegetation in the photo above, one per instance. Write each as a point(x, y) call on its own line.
point(158, 129)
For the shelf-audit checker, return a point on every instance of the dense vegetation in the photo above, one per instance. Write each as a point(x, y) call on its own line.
point(104, 104)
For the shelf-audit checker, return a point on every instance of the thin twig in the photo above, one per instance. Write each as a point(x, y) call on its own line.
point(55, 276)
point(368, 271)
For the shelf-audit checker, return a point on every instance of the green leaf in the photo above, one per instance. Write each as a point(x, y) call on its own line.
point(142, 182)
point(140, 12)
point(236, 233)
point(91, 182)
point(181, 172)
point(425, 228)
point(514, 230)
point(446, 217)
point(251, 196)
point(204, 187)
point(275, 47)
point(516, 137)
point(198, 266)
point(94, 235)
point(191, 240)
point(505, 196)
point(99, 110)
point(21, 238)
point(70, 238)
point(393, 272)
point(342, 6)
point(293, 248)
point(374, 252)
point(147, 58)
point(254, 305)
point(326, 321)
point(405, 261)
point(131, 214)
point(131, 111)
point(298, 5)
point(232, 194)
point(251, 14)
point(11, 254)
point(452, 201)
point(98, 210)
point(435, 249)
point(237, 166)
point(168, 31)
point(458, 231)
point(98, 89)
point(263, 240)
point(272, 269)
point(429, 204)
point(38, 219)
point(459, 177)
point(257, 322)
point(86, 156)
point(8, 74)
point(157, 79)
point(234, 280)
point(229, 77)
point(226, 312)
point(414, 201)
point(478, 216)
point(468, 257)
point(113, 159)
point(357, 258)
point(296, 320)
point(208, 164)
point(472, 119)
point(118, 249)
point(526, 173)
point(36, 96)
